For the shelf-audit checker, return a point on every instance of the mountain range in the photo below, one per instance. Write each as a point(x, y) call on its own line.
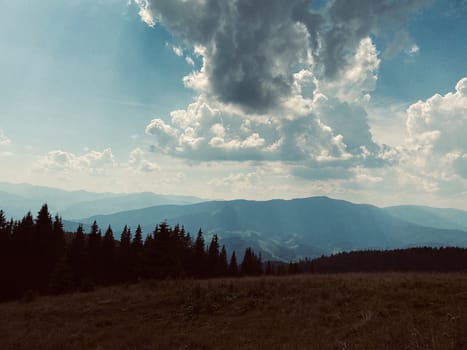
point(279, 229)
point(292, 229)
point(17, 199)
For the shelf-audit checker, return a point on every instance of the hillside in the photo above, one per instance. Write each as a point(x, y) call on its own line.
point(354, 311)
point(291, 229)
point(434, 217)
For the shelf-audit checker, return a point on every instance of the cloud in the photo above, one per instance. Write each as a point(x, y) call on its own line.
point(4, 140)
point(320, 123)
point(251, 49)
point(413, 50)
point(138, 162)
point(279, 82)
point(437, 129)
point(177, 50)
point(92, 162)
point(189, 60)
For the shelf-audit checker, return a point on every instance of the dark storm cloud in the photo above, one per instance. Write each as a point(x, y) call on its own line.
point(351, 21)
point(252, 47)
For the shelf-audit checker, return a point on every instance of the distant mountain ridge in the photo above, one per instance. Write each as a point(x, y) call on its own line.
point(454, 219)
point(291, 229)
point(17, 199)
point(280, 229)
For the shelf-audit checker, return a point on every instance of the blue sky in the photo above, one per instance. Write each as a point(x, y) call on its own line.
point(250, 99)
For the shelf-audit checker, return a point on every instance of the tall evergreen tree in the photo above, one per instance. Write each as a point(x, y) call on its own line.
point(223, 264)
point(43, 254)
point(251, 264)
point(59, 237)
point(125, 266)
point(94, 252)
point(78, 257)
point(213, 257)
point(6, 259)
point(108, 257)
point(61, 279)
point(199, 255)
point(137, 247)
point(233, 266)
point(24, 259)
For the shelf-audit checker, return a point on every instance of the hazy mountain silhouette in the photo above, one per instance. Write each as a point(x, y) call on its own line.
point(17, 199)
point(289, 229)
point(434, 217)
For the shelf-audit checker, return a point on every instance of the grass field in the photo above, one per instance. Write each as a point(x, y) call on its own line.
point(354, 311)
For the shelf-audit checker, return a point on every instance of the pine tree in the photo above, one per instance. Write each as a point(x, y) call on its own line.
point(44, 250)
point(78, 258)
point(6, 259)
point(213, 257)
point(199, 255)
point(251, 264)
point(233, 266)
point(125, 266)
point(269, 268)
point(223, 264)
point(25, 250)
point(108, 257)
point(61, 279)
point(94, 250)
point(137, 252)
point(59, 238)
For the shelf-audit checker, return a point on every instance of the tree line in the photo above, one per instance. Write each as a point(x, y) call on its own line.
point(36, 255)
point(419, 259)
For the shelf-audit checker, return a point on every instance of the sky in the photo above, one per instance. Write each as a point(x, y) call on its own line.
point(360, 100)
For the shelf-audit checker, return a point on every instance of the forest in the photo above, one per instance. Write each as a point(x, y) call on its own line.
point(38, 256)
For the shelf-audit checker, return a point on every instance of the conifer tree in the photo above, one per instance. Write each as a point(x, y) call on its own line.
point(233, 266)
point(199, 255)
point(213, 257)
point(78, 257)
point(59, 238)
point(125, 266)
point(137, 247)
point(61, 279)
point(6, 261)
point(251, 264)
point(108, 257)
point(24, 258)
point(44, 247)
point(94, 248)
point(223, 264)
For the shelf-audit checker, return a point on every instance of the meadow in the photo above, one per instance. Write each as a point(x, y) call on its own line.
point(346, 311)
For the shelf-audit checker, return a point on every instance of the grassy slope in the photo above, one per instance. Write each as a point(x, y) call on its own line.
point(376, 311)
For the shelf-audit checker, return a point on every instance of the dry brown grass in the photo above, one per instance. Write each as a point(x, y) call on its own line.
point(357, 311)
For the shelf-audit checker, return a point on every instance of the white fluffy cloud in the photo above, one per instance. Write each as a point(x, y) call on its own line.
point(5, 142)
point(278, 81)
point(433, 160)
point(93, 161)
point(138, 162)
point(437, 130)
point(319, 124)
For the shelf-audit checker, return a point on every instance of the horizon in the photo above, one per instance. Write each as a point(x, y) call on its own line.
point(204, 200)
point(131, 96)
